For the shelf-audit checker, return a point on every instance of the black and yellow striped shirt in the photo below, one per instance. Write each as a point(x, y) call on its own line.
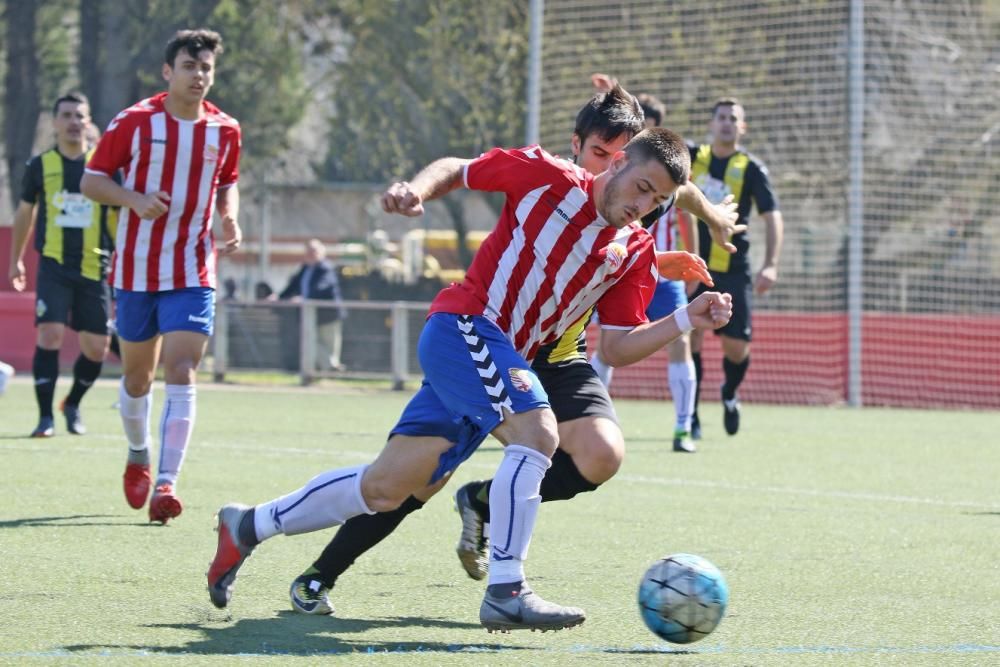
point(69, 228)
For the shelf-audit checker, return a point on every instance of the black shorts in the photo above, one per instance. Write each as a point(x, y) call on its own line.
point(740, 287)
point(67, 297)
point(575, 390)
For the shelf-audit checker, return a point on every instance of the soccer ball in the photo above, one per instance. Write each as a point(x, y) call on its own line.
point(682, 598)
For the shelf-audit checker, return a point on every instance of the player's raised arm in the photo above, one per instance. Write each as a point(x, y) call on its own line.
point(621, 347)
point(721, 218)
point(435, 180)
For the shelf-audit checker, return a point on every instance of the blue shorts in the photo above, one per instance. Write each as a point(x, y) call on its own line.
point(140, 316)
point(471, 372)
point(668, 297)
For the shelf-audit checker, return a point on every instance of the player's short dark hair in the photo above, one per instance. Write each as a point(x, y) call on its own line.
point(609, 115)
point(194, 42)
point(74, 97)
point(653, 108)
point(725, 102)
point(666, 147)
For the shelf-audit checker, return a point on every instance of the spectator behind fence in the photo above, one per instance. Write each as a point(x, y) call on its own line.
point(317, 279)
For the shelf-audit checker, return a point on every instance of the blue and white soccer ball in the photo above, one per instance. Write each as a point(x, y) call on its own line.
point(682, 598)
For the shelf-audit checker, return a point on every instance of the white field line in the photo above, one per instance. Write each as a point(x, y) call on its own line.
point(338, 455)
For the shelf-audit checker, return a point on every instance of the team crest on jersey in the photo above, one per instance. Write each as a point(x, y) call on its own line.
point(615, 255)
point(521, 379)
point(211, 153)
point(40, 308)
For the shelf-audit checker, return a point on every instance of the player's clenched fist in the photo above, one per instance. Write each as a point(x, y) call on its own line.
point(401, 198)
point(680, 265)
point(710, 310)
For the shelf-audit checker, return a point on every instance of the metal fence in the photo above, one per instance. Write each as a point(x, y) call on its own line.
point(379, 338)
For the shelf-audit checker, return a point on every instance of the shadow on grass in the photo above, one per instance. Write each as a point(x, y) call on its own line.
point(79, 521)
point(649, 651)
point(295, 634)
point(69, 520)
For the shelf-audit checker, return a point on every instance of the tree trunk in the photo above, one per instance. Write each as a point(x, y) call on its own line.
point(117, 86)
point(91, 57)
point(21, 94)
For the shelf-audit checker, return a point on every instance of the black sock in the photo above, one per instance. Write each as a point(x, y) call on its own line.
point(357, 536)
point(45, 368)
point(246, 530)
point(696, 357)
point(85, 372)
point(505, 590)
point(479, 497)
point(563, 480)
point(734, 376)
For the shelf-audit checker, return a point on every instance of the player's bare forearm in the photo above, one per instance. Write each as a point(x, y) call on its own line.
point(435, 180)
point(721, 218)
point(619, 347)
point(227, 202)
point(103, 190)
point(774, 226)
point(439, 178)
point(24, 221)
point(691, 199)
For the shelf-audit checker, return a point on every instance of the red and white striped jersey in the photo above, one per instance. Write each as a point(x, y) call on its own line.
point(664, 230)
point(551, 256)
point(190, 160)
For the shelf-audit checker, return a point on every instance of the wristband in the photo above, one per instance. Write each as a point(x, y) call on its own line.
point(682, 320)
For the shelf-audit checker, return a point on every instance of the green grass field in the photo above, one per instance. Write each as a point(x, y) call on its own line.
point(847, 537)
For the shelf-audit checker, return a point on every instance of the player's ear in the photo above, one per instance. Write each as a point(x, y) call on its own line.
point(576, 144)
point(167, 71)
point(618, 162)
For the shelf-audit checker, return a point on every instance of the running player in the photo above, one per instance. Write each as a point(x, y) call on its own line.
point(591, 444)
point(74, 238)
point(722, 169)
point(564, 240)
point(180, 155)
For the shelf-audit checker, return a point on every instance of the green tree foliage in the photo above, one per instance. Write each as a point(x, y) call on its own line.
point(424, 79)
point(259, 77)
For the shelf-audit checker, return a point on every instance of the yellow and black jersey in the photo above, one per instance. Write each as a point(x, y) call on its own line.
point(746, 178)
point(69, 228)
point(570, 347)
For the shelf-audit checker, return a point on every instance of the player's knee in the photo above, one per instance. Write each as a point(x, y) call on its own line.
point(382, 497)
point(600, 458)
point(94, 347)
point(180, 371)
point(137, 384)
point(545, 437)
point(536, 430)
point(50, 338)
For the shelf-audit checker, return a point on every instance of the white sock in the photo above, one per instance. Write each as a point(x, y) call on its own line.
point(176, 426)
point(602, 369)
point(327, 500)
point(136, 413)
point(681, 377)
point(514, 500)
